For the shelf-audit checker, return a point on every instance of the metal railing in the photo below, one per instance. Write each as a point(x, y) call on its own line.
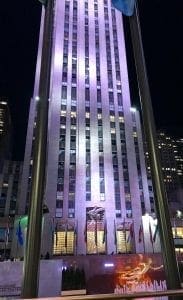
point(127, 296)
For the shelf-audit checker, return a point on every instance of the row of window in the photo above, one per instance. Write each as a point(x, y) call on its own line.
point(87, 106)
point(97, 46)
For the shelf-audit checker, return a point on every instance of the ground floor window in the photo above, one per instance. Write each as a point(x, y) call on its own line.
point(64, 239)
point(96, 239)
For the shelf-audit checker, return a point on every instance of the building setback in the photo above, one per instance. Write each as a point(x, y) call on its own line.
point(96, 184)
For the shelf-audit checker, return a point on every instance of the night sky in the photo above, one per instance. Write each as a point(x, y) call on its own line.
point(162, 25)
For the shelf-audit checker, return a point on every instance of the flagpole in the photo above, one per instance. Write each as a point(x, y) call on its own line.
point(85, 234)
point(6, 239)
point(105, 235)
point(115, 235)
point(143, 238)
point(52, 229)
point(162, 210)
point(175, 227)
point(96, 239)
point(124, 231)
point(152, 242)
point(150, 235)
point(125, 240)
point(66, 237)
point(152, 246)
point(143, 241)
point(33, 244)
point(5, 249)
point(133, 237)
point(56, 233)
point(75, 237)
point(16, 251)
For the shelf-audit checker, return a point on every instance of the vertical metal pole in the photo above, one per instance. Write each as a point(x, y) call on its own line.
point(5, 250)
point(165, 229)
point(33, 245)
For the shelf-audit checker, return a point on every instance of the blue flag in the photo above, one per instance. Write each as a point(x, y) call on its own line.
point(7, 233)
point(125, 6)
point(19, 234)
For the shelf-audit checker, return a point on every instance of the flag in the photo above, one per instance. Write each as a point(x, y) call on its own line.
point(150, 233)
point(130, 236)
point(19, 234)
point(56, 233)
point(105, 232)
point(7, 233)
point(123, 225)
point(124, 230)
point(115, 234)
point(140, 233)
point(155, 233)
point(75, 229)
point(96, 229)
point(85, 232)
point(76, 236)
point(125, 6)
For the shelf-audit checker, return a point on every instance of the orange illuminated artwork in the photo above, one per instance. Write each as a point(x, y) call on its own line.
point(136, 272)
point(121, 273)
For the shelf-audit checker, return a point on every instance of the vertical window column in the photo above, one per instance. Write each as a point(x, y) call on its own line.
point(139, 172)
point(108, 48)
point(86, 45)
point(125, 166)
point(116, 50)
point(115, 165)
point(72, 166)
point(62, 137)
point(87, 146)
point(101, 148)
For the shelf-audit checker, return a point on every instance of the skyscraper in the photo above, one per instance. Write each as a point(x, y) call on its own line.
point(178, 151)
point(171, 158)
point(96, 184)
point(167, 152)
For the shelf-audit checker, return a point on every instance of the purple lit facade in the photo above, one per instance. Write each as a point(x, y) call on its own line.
point(96, 186)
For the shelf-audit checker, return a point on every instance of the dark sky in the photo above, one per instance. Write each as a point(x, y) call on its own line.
point(19, 30)
point(162, 25)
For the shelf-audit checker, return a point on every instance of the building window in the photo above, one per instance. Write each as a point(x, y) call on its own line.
point(64, 92)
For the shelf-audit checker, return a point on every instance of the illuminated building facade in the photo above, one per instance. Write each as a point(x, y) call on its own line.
point(96, 185)
point(4, 114)
point(178, 152)
point(170, 150)
point(167, 149)
point(5, 130)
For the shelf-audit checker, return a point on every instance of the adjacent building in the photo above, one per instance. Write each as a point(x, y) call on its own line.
point(5, 130)
point(178, 152)
point(10, 178)
point(171, 153)
point(96, 184)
